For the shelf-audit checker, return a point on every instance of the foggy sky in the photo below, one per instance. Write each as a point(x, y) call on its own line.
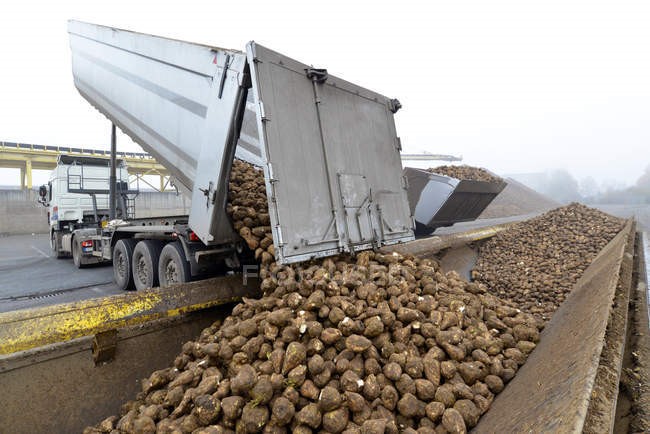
point(514, 86)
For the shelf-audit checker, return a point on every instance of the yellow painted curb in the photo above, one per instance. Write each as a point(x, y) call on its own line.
point(31, 328)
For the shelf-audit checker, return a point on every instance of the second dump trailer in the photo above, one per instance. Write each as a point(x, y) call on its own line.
point(437, 200)
point(328, 149)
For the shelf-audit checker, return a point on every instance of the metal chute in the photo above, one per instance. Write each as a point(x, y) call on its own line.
point(438, 200)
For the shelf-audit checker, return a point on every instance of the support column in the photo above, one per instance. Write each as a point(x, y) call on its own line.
point(162, 183)
point(28, 173)
point(111, 192)
point(22, 178)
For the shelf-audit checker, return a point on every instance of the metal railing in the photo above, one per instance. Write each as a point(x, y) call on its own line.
point(82, 184)
point(69, 149)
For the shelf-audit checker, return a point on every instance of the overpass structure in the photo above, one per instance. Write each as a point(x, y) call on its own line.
point(28, 157)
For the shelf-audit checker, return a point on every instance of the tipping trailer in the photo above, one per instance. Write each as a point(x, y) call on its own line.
point(328, 149)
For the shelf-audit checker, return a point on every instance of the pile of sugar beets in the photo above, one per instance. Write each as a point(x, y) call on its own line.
point(536, 263)
point(465, 172)
point(372, 344)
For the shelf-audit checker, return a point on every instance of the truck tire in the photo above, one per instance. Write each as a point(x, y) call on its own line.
point(122, 260)
point(173, 268)
point(145, 263)
point(77, 255)
point(55, 246)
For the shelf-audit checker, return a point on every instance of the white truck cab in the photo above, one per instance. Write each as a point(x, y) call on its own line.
point(77, 197)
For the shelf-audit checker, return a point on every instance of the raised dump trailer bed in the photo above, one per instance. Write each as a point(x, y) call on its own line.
point(438, 200)
point(328, 148)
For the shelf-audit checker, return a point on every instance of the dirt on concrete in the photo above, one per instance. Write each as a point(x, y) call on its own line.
point(460, 259)
point(633, 410)
point(601, 414)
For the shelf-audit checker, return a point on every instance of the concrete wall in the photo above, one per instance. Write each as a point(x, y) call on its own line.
point(20, 213)
point(59, 389)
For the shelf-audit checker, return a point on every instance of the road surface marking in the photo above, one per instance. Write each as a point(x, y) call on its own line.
point(17, 258)
point(41, 252)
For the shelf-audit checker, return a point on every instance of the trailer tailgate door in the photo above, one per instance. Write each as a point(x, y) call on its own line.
point(331, 159)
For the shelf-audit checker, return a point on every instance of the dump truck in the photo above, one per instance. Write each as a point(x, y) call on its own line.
point(329, 151)
point(328, 148)
point(67, 366)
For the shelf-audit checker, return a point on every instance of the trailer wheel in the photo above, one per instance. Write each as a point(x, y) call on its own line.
point(54, 245)
point(122, 259)
point(77, 255)
point(145, 263)
point(172, 266)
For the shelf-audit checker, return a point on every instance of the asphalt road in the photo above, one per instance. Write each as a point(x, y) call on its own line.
point(30, 276)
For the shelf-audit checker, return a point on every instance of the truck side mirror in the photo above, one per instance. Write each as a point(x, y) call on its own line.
point(42, 195)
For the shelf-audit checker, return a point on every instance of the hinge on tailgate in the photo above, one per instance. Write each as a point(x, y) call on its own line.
point(271, 175)
point(278, 229)
point(262, 112)
point(318, 75)
point(394, 105)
